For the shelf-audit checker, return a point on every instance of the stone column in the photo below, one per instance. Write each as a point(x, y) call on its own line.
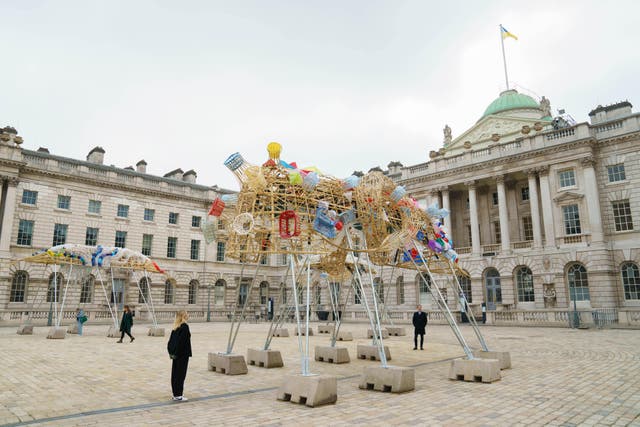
point(445, 205)
point(593, 199)
point(434, 197)
point(504, 215)
point(7, 218)
point(535, 208)
point(547, 207)
point(473, 214)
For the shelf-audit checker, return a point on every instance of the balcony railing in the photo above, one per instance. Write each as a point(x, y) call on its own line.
point(522, 245)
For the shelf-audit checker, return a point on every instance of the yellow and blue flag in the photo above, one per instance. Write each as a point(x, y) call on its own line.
point(506, 33)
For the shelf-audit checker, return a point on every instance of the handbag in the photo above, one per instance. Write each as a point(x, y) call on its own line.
point(83, 319)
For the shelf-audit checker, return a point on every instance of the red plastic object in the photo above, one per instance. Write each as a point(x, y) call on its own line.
point(339, 225)
point(289, 224)
point(216, 207)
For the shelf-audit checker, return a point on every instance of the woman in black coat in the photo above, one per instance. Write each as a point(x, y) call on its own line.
point(126, 323)
point(179, 347)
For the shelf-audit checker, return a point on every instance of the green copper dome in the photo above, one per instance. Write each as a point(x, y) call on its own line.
point(510, 100)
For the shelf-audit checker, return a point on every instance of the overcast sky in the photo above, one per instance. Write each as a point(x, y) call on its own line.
point(342, 85)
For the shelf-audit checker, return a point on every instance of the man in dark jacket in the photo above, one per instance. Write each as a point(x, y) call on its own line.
point(419, 324)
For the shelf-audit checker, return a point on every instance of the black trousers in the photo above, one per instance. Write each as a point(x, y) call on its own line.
point(415, 339)
point(178, 374)
point(125, 332)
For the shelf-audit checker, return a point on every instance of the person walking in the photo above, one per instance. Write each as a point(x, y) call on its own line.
point(179, 348)
point(126, 323)
point(462, 301)
point(419, 323)
point(80, 318)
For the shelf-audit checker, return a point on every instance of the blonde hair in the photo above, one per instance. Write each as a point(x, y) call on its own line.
point(181, 317)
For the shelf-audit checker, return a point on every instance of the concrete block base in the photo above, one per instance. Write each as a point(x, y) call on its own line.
point(344, 336)
point(479, 370)
point(73, 329)
point(332, 354)
point(25, 330)
point(264, 358)
point(57, 333)
point(156, 331)
point(394, 379)
point(113, 332)
point(304, 331)
point(396, 331)
point(385, 333)
point(504, 357)
point(326, 329)
point(229, 364)
point(311, 390)
point(370, 352)
point(281, 332)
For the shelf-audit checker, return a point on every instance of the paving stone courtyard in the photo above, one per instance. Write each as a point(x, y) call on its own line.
point(559, 377)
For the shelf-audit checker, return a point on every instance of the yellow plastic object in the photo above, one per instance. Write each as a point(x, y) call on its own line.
point(274, 150)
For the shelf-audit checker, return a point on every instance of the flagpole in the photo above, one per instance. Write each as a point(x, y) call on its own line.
point(504, 59)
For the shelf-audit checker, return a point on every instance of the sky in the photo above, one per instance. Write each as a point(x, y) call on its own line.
point(341, 85)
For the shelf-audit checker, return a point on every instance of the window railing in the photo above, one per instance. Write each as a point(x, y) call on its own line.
point(522, 245)
point(562, 133)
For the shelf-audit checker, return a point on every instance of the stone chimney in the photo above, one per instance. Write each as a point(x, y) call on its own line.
point(141, 166)
point(96, 156)
point(610, 112)
point(175, 174)
point(190, 176)
point(43, 150)
point(395, 168)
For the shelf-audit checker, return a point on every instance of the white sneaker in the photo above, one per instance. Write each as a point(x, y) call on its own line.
point(179, 398)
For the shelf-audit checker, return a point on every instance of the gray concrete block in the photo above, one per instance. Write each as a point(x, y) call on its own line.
point(396, 331)
point(503, 357)
point(25, 330)
point(155, 331)
point(311, 390)
point(113, 332)
point(344, 336)
point(73, 328)
point(370, 352)
point(392, 379)
point(229, 364)
point(332, 354)
point(326, 329)
point(479, 370)
point(304, 331)
point(57, 333)
point(385, 333)
point(264, 358)
point(281, 332)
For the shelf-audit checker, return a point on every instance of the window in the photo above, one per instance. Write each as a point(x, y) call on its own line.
point(94, 206)
point(264, 259)
point(469, 239)
point(616, 173)
point(221, 224)
point(494, 199)
point(567, 178)
point(220, 252)
point(123, 211)
point(283, 297)
point(195, 250)
point(424, 288)
point(334, 288)
point(91, 236)
point(465, 284)
point(400, 290)
point(29, 197)
point(172, 244)
point(357, 295)
point(25, 232)
point(578, 283)
point(121, 239)
point(195, 221)
point(117, 291)
point(243, 292)
point(149, 214)
point(168, 292)
point(218, 293)
point(143, 291)
point(571, 219)
point(64, 202)
point(53, 291)
point(630, 281)
point(59, 234)
point(193, 291)
point(18, 286)
point(264, 292)
point(173, 218)
point(86, 291)
point(524, 194)
point(524, 283)
point(317, 295)
point(147, 242)
point(622, 215)
point(496, 232)
point(527, 228)
point(284, 259)
point(378, 285)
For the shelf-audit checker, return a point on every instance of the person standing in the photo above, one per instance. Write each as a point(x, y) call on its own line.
point(463, 308)
point(484, 312)
point(419, 323)
point(80, 318)
point(179, 348)
point(126, 323)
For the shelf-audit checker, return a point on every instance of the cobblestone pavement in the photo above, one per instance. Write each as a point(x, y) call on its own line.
point(560, 377)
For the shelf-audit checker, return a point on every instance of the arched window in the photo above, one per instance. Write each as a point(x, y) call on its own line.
point(243, 293)
point(143, 292)
point(168, 292)
point(578, 283)
point(86, 291)
point(264, 292)
point(193, 291)
point(631, 281)
point(465, 284)
point(424, 285)
point(493, 288)
point(524, 283)
point(378, 285)
point(53, 292)
point(400, 290)
point(283, 293)
point(218, 294)
point(19, 286)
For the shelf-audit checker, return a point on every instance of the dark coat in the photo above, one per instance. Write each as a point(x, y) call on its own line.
point(420, 321)
point(182, 339)
point(127, 322)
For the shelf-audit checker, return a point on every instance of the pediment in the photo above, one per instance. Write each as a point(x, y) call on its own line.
point(568, 196)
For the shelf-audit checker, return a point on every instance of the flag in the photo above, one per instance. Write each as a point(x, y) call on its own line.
point(506, 33)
